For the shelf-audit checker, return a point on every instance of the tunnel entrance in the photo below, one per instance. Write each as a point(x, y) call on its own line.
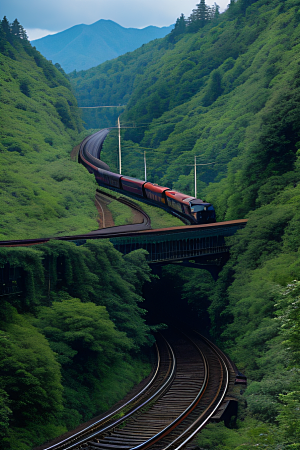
point(179, 297)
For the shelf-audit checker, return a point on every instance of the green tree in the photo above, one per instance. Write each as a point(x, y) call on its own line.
point(63, 110)
point(202, 13)
point(83, 336)
point(180, 28)
point(214, 89)
point(5, 414)
point(216, 11)
point(89, 348)
point(199, 17)
point(6, 27)
point(29, 374)
point(16, 29)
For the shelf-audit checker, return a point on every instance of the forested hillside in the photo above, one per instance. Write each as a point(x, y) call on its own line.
point(43, 192)
point(227, 91)
point(70, 337)
point(215, 93)
point(73, 339)
point(224, 88)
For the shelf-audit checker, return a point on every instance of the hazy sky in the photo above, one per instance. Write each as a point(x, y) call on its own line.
point(41, 17)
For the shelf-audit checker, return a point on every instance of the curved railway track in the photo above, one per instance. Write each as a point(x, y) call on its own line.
point(92, 145)
point(103, 232)
point(187, 389)
point(145, 224)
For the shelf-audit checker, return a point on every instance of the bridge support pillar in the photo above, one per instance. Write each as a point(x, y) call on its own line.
point(212, 263)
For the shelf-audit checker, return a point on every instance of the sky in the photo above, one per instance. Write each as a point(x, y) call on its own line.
point(43, 17)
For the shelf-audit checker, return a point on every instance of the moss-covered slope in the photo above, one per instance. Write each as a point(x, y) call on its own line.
point(229, 94)
point(228, 91)
point(43, 192)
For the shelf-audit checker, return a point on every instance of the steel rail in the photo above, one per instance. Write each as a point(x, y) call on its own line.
point(145, 225)
point(158, 392)
point(203, 420)
point(190, 431)
point(115, 411)
point(185, 413)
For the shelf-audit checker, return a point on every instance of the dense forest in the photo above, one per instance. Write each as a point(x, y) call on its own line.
point(43, 192)
point(225, 89)
point(71, 337)
point(71, 328)
point(227, 93)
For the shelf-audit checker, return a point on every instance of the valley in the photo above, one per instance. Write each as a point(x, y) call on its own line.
point(224, 90)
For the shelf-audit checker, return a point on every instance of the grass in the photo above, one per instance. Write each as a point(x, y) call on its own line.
point(159, 218)
point(122, 214)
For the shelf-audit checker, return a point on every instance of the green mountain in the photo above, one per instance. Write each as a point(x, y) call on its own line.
point(84, 46)
point(203, 95)
point(43, 192)
point(226, 90)
point(69, 348)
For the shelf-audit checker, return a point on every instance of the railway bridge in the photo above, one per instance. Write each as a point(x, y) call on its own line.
point(203, 244)
point(197, 246)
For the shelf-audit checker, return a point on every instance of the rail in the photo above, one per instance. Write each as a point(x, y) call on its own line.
point(161, 376)
point(193, 395)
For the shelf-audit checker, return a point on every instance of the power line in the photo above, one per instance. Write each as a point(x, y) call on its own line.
point(110, 106)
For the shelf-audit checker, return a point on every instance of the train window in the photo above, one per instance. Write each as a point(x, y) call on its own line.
point(186, 209)
point(154, 196)
point(198, 208)
point(176, 205)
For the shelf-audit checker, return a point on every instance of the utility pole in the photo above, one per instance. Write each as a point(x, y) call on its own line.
point(195, 174)
point(195, 171)
point(145, 164)
point(120, 157)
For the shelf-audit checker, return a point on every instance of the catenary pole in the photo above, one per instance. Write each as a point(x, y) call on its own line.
point(120, 157)
point(145, 163)
point(195, 177)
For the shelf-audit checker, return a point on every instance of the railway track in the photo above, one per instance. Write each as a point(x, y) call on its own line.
point(188, 388)
point(143, 224)
point(100, 233)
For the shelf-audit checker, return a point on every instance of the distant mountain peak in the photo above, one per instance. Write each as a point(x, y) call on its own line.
point(84, 46)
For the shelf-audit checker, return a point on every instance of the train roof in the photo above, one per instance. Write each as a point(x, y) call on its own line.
point(198, 201)
point(133, 180)
point(109, 174)
point(155, 188)
point(179, 196)
point(186, 198)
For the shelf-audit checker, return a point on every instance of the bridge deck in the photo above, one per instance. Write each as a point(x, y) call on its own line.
point(178, 243)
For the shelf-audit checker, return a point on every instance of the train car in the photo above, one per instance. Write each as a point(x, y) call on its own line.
point(202, 212)
point(197, 210)
point(155, 192)
point(109, 178)
point(133, 185)
point(178, 201)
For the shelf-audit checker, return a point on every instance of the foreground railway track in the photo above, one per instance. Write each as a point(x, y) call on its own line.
point(187, 390)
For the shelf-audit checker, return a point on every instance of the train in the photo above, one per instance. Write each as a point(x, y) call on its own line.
point(193, 210)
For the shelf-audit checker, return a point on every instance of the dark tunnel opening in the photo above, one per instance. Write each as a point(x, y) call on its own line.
point(179, 297)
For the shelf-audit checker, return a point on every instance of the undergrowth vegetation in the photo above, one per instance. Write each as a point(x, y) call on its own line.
point(228, 94)
point(71, 337)
point(43, 192)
